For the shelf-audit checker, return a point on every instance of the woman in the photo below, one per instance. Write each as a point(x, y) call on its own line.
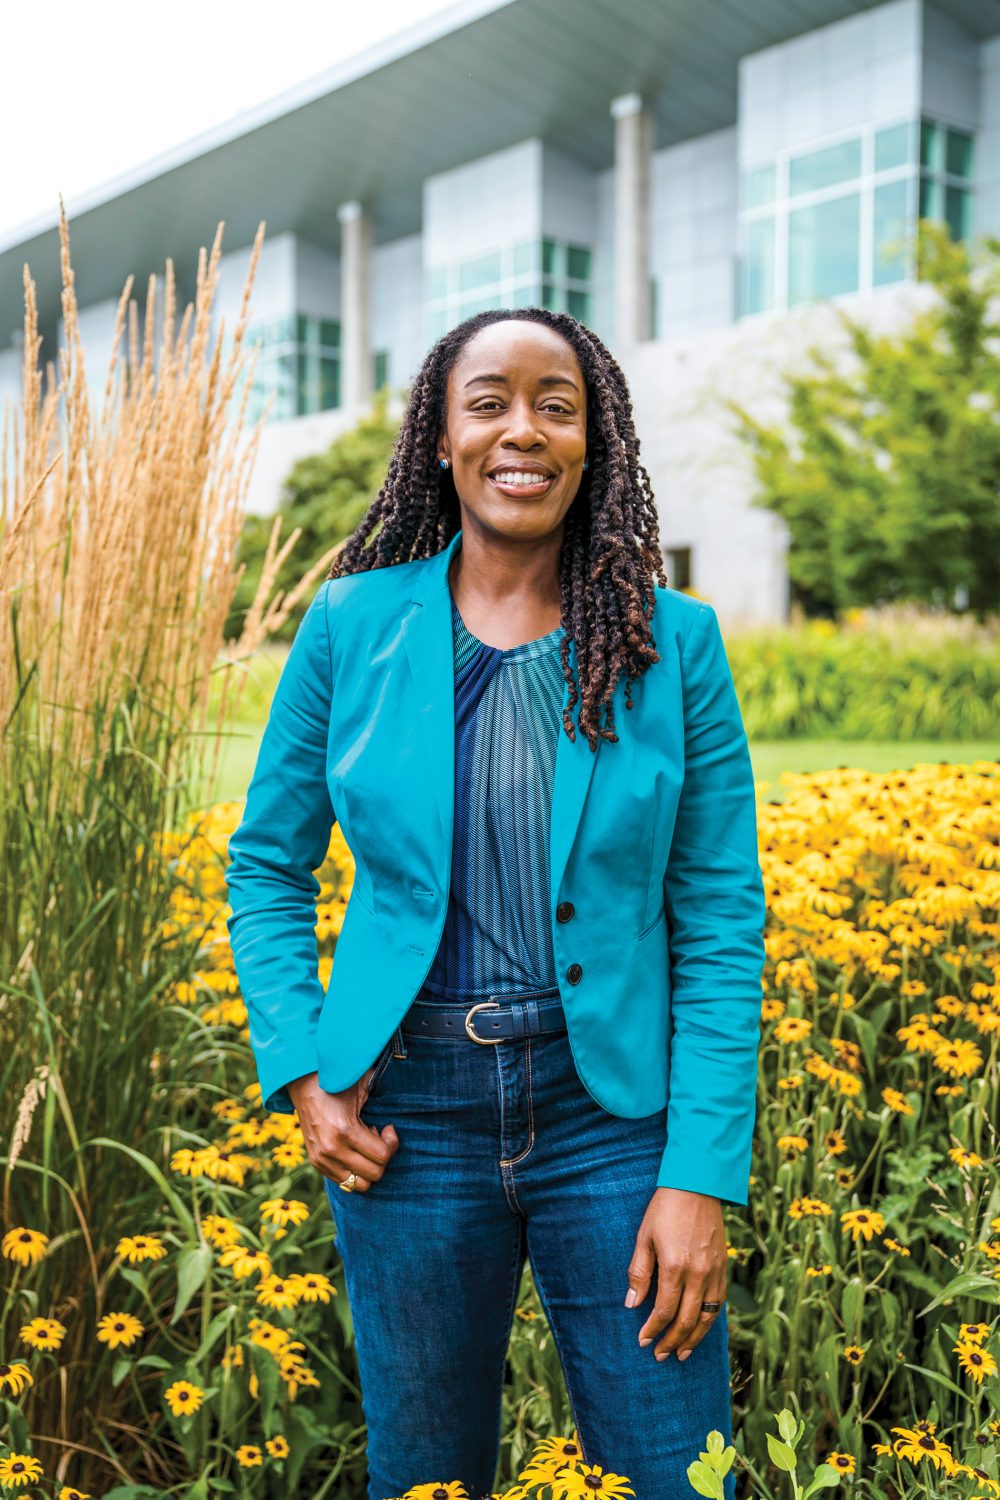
point(540, 1035)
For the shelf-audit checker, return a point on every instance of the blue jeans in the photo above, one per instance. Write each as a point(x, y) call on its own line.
point(502, 1153)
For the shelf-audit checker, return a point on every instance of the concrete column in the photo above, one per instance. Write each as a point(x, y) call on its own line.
point(633, 146)
point(357, 377)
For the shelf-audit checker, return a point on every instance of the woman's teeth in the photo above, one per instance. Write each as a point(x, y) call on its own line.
point(515, 480)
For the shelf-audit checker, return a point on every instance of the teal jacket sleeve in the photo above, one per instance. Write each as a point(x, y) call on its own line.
point(716, 911)
point(283, 837)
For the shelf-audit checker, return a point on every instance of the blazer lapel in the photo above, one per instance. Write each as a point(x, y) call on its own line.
point(428, 642)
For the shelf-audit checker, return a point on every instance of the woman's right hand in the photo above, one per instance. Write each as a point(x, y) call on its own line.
point(338, 1141)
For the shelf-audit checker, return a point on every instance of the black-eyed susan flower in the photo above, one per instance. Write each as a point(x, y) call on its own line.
point(183, 1396)
point(277, 1446)
point(139, 1247)
point(793, 1145)
point(975, 1361)
point(278, 1291)
point(804, 1208)
point(862, 1221)
point(842, 1462)
point(119, 1330)
point(897, 1102)
point(834, 1143)
point(960, 1058)
point(919, 1446)
point(69, 1493)
point(244, 1263)
point(792, 1081)
point(854, 1354)
point(973, 1333)
point(963, 1158)
point(220, 1232)
point(824, 1270)
point(289, 1154)
point(986, 1484)
point(249, 1456)
point(894, 1246)
point(591, 1480)
point(284, 1211)
point(43, 1333)
point(15, 1377)
point(232, 1358)
point(25, 1247)
point(17, 1469)
point(792, 1029)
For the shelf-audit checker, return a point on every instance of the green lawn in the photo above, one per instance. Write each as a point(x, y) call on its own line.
point(770, 758)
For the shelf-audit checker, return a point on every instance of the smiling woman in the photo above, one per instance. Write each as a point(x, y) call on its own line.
point(549, 976)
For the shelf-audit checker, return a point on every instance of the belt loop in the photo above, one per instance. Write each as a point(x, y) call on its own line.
point(398, 1045)
point(532, 1024)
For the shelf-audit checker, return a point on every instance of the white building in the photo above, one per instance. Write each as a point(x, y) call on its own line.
point(694, 181)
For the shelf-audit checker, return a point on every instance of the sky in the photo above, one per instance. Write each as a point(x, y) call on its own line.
point(111, 84)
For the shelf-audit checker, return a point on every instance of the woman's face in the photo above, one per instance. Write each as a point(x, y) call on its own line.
point(516, 401)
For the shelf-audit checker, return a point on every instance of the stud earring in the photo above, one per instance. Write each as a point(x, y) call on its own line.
point(443, 462)
point(586, 463)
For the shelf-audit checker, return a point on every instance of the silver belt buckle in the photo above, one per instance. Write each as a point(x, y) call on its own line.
point(486, 1041)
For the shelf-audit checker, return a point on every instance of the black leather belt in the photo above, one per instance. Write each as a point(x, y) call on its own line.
point(497, 1019)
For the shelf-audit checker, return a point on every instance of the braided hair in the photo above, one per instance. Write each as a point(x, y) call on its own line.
point(610, 550)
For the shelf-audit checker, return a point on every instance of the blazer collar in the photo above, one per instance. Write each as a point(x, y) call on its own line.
point(428, 642)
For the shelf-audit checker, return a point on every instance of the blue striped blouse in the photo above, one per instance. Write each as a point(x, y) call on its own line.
point(508, 705)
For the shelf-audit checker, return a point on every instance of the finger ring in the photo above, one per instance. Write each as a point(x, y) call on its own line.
point(710, 1306)
point(348, 1182)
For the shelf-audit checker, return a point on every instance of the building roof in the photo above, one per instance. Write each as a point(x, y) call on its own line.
point(469, 80)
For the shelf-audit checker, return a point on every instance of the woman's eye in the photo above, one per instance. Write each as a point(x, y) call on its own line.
point(559, 411)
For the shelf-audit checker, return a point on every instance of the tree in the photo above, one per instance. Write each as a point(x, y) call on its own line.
point(887, 473)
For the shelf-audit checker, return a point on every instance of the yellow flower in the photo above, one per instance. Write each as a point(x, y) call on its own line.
point(249, 1456)
point(19, 1468)
point(917, 1446)
point(801, 1208)
point(183, 1397)
point(115, 1329)
point(313, 1286)
point(854, 1354)
point(973, 1333)
point(891, 1244)
point(862, 1221)
point(220, 1231)
point(69, 1493)
point(24, 1246)
point(963, 1158)
point(792, 1144)
point(960, 1058)
point(792, 1029)
point(43, 1333)
point(897, 1101)
point(592, 1481)
point(277, 1291)
point(277, 1446)
point(138, 1247)
point(245, 1262)
point(15, 1376)
point(975, 1361)
point(284, 1211)
point(842, 1461)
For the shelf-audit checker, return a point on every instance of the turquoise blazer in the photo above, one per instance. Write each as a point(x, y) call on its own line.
point(653, 843)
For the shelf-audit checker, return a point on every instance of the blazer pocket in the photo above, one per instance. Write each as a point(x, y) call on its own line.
point(651, 926)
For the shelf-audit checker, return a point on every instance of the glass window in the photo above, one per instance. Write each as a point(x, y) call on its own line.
point(958, 211)
point(550, 297)
point(678, 561)
point(578, 303)
point(822, 169)
point(438, 323)
point(759, 186)
point(931, 198)
point(758, 293)
point(437, 283)
point(381, 371)
point(549, 258)
point(578, 262)
point(892, 146)
point(958, 154)
point(930, 145)
point(482, 272)
point(823, 242)
point(890, 223)
point(329, 333)
point(527, 295)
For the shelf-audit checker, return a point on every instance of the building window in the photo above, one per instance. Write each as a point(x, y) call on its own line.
point(298, 364)
point(381, 376)
point(678, 566)
point(529, 273)
point(841, 218)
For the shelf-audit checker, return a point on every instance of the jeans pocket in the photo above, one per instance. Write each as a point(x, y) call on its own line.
point(383, 1061)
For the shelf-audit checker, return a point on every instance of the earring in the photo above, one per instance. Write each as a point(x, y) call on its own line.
point(443, 462)
point(586, 463)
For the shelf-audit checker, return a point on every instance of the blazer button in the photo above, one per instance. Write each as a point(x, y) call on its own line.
point(574, 973)
point(565, 910)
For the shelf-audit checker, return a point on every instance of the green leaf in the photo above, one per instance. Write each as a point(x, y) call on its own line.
point(966, 1284)
point(193, 1265)
point(782, 1456)
point(826, 1477)
point(177, 1203)
point(941, 1379)
point(705, 1480)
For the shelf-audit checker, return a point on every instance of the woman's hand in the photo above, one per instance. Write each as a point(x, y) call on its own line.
point(338, 1141)
point(684, 1234)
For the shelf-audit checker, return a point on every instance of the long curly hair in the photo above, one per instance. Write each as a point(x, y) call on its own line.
point(610, 552)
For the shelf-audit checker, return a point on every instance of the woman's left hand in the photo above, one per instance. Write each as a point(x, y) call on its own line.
point(683, 1234)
